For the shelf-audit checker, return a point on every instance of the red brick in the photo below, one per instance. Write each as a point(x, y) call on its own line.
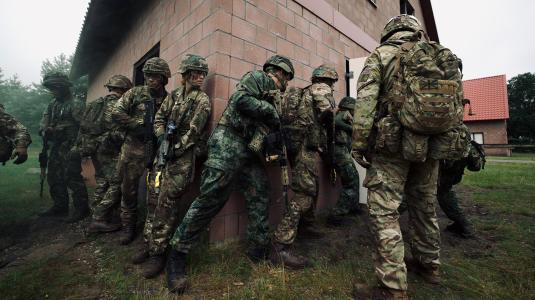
point(309, 43)
point(238, 8)
point(277, 27)
point(202, 48)
point(255, 16)
point(182, 9)
point(316, 32)
point(218, 106)
point(268, 6)
point(243, 29)
point(239, 67)
point(254, 54)
point(220, 20)
point(285, 48)
point(302, 55)
point(322, 50)
point(295, 36)
point(335, 57)
point(302, 24)
point(220, 42)
point(201, 12)
point(328, 39)
point(226, 5)
point(236, 47)
point(310, 17)
point(195, 35)
point(285, 15)
point(221, 87)
point(295, 7)
point(266, 39)
point(232, 86)
point(298, 69)
point(223, 64)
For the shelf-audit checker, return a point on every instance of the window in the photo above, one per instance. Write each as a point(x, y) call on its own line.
point(405, 7)
point(139, 79)
point(478, 137)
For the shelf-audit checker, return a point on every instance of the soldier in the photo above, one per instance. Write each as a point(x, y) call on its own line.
point(134, 112)
point(231, 161)
point(178, 125)
point(14, 139)
point(348, 201)
point(314, 111)
point(59, 126)
point(394, 173)
point(102, 142)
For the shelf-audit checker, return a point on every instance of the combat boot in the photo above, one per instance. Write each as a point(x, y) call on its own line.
point(383, 293)
point(176, 272)
point(102, 226)
point(141, 255)
point(55, 211)
point(153, 266)
point(257, 253)
point(128, 234)
point(462, 228)
point(430, 273)
point(78, 215)
point(280, 254)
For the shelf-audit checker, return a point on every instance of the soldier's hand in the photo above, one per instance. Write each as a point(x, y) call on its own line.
point(360, 159)
point(21, 153)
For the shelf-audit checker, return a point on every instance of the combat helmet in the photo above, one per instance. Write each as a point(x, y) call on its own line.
point(400, 23)
point(56, 80)
point(193, 62)
point(157, 65)
point(325, 71)
point(282, 62)
point(347, 103)
point(119, 81)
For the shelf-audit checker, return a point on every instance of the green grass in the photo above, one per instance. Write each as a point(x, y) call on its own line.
point(515, 156)
point(499, 265)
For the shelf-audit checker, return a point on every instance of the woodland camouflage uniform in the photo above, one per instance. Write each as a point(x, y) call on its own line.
point(101, 140)
point(391, 176)
point(129, 114)
point(60, 125)
point(12, 135)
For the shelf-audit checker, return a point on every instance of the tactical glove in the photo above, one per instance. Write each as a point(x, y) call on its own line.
point(360, 159)
point(21, 153)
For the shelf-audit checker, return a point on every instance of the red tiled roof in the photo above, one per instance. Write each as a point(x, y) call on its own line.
point(488, 97)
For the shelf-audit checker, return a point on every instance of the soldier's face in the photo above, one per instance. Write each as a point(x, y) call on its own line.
point(196, 78)
point(58, 92)
point(154, 81)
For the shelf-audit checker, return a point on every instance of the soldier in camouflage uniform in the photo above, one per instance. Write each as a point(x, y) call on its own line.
point(101, 141)
point(391, 177)
point(134, 112)
point(231, 163)
point(185, 113)
point(14, 139)
point(348, 200)
point(60, 125)
point(316, 109)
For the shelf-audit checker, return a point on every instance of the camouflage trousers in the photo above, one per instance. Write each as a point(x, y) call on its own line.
point(447, 199)
point(304, 184)
point(165, 205)
point(348, 200)
point(65, 173)
point(388, 180)
point(108, 191)
point(129, 171)
point(230, 166)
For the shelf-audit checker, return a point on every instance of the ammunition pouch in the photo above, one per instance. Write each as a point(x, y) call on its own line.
point(414, 146)
point(451, 145)
point(257, 142)
point(388, 135)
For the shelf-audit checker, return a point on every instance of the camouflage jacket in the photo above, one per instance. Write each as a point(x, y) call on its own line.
point(129, 113)
point(61, 120)
point(451, 171)
point(372, 87)
point(249, 104)
point(343, 122)
point(12, 130)
point(97, 128)
point(189, 112)
point(319, 98)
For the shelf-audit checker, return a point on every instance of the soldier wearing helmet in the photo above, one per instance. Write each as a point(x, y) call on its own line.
point(14, 139)
point(59, 126)
point(313, 113)
point(186, 111)
point(348, 201)
point(232, 165)
point(376, 136)
point(101, 140)
point(134, 113)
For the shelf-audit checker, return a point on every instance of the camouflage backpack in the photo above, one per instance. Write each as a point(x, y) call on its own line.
point(426, 87)
point(294, 132)
point(93, 115)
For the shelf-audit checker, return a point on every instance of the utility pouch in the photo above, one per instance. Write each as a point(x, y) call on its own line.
point(257, 141)
point(414, 146)
point(453, 144)
point(388, 135)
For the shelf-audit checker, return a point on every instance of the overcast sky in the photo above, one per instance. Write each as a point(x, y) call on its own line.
point(491, 36)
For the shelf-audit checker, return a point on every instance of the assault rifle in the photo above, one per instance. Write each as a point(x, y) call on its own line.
point(163, 154)
point(43, 162)
point(332, 146)
point(148, 140)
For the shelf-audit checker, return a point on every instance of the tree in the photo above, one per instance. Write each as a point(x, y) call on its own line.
point(521, 124)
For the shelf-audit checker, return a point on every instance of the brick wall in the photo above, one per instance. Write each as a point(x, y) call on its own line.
point(237, 36)
point(494, 132)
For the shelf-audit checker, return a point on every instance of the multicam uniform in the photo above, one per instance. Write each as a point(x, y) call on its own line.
point(190, 113)
point(12, 134)
point(317, 100)
point(391, 176)
point(60, 123)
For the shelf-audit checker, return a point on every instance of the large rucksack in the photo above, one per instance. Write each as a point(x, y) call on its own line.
point(293, 131)
point(427, 78)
